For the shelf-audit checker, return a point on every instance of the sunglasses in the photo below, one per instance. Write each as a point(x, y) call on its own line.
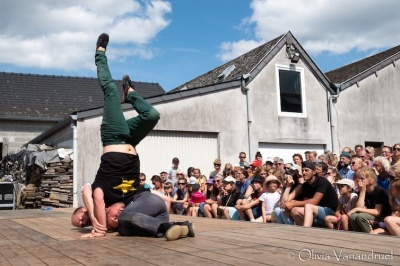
point(242, 157)
point(392, 177)
point(217, 164)
point(396, 149)
point(181, 184)
point(167, 187)
point(142, 179)
point(217, 181)
point(277, 163)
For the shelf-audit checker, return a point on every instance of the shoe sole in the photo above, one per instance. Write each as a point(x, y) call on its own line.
point(184, 231)
point(191, 231)
point(174, 233)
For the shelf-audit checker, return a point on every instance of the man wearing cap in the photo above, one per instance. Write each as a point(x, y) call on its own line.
point(164, 176)
point(174, 168)
point(345, 170)
point(319, 198)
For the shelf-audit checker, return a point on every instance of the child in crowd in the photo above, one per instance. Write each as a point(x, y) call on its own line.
point(180, 197)
point(269, 199)
point(195, 200)
point(347, 201)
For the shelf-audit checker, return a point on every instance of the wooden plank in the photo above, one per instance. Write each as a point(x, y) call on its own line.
point(47, 238)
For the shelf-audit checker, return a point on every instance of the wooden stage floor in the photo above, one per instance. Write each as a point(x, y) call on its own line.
point(39, 237)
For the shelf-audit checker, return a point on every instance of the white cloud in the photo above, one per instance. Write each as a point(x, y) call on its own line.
point(61, 34)
point(324, 26)
point(231, 50)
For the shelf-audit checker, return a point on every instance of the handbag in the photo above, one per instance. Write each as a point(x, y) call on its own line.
point(221, 209)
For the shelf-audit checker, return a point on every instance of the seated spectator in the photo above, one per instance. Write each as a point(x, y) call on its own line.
point(195, 200)
point(371, 153)
point(180, 197)
point(158, 184)
point(372, 204)
point(169, 189)
point(333, 160)
point(180, 173)
point(312, 156)
point(207, 194)
point(319, 198)
point(191, 182)
point(392, 222)
point(291, 181)
point(142, 180)
point(396, 154)
point(324, 158)
point(211, 204)
point(297, 159)
point(382, 167)
point(364, 156)
point(269, 199)
point(321, 169)
point(259, 170)
point(347, 201)
point(269, 163)
point(231, 194)
point(344, 163)
point(242, 183)
point(387, 152)
point(250, 204)
point(278, 163)
point(201, 179)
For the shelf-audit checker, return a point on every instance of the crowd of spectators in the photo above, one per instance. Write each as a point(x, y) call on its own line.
point(357, 190)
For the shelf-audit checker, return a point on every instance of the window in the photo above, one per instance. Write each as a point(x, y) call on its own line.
point(290, 91)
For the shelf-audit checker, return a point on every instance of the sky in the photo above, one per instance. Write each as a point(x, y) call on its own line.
point(172, 42)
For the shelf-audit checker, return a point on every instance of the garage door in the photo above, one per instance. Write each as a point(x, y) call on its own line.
point(286, 150)
point(195, 149)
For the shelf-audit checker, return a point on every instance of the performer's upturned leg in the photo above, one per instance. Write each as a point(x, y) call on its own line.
point(148, 116)
point(114, 129)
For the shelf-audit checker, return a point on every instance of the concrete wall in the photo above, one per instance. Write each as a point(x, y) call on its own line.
point(368, 111)
point(225, 112)
point(14, 134)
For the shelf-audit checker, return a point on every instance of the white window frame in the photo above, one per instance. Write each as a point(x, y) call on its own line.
point(303, 91)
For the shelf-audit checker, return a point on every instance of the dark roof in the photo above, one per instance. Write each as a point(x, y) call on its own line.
point(47, 97)
point(349, 71)
point(243, 65)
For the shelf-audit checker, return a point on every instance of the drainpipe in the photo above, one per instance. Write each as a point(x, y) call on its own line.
point(332, 98)
point(246, 90)
point(75, 192)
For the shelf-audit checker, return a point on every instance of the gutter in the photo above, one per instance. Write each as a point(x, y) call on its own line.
point(246, 89)
point(75, 191)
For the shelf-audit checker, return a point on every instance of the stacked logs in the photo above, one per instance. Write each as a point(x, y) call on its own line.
point(50, 187)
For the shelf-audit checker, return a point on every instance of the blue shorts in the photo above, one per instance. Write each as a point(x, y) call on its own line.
point(321, 214)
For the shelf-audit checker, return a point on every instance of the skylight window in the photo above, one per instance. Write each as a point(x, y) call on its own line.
point(226, 72)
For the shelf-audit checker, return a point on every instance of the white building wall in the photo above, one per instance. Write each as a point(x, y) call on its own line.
point(368, 111)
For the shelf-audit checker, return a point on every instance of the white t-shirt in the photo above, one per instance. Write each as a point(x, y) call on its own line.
point(271, 200)
point(347, 206)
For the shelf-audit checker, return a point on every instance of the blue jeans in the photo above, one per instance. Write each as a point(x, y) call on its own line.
point(143, 216)
point(322, 213)
point(281, 217)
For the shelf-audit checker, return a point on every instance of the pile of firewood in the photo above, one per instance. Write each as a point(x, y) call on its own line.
point(50, 187)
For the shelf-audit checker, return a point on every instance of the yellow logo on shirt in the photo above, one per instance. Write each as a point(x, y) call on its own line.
point(125, 186)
